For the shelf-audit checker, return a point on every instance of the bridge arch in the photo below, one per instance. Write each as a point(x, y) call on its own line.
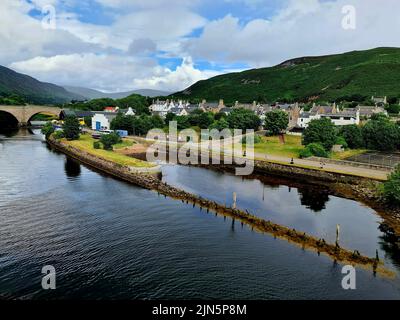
point(24, 113)
point(8, 120)
point(30, 116)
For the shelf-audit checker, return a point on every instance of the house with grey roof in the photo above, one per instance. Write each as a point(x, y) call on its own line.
point(339, 118)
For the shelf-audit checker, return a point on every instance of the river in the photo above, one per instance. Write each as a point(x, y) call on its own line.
point(111, 240)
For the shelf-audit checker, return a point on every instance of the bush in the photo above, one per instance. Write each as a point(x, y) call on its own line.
point(342, 142)
point(314, 149)
point(305, 153)
point(96, 145)
point(391, 188)
point(47, 129)
point(108, 140)
point(257, 139)
point(59, 135)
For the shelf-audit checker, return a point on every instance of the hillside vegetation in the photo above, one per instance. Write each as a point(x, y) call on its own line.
point(350, 76)
point(17, 88)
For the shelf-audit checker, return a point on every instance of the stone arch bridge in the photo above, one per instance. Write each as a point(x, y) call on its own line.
point(23, 114)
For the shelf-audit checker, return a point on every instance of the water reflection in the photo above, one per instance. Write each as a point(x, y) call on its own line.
point(313, 199)
point(112, 240)
point(72, 168)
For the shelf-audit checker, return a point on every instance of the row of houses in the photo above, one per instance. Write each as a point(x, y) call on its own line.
point(298, 117)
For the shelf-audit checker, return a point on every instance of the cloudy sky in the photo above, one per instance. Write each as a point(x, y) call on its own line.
point(120, 45)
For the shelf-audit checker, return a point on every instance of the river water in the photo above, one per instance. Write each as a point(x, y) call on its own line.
point(111, 240)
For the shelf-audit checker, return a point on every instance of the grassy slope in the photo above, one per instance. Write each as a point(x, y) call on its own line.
point(372, 72)
point(31, 89)
point(86, 143)
point(292, 148)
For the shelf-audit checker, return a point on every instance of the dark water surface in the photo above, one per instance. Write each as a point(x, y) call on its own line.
point(108, 239)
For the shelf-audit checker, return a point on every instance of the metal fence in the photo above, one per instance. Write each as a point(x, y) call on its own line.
point(377, 158)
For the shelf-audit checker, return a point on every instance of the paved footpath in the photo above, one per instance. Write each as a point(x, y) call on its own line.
point(328, 167)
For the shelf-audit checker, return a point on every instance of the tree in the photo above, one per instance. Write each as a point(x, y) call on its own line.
point(108, 140)
point(183, 122)
point(393, 109)
point(169, 117)
point(71, 128)
point(392, 100)
point(137, 102)
point(320, 131)
point(220, 115)
point(276, 121)
point(314, 149)
point(391, 188)
point(220, 124)
point(157, 122)
point(381, 134)
point(48, 129)
point(243, 119)
point(122, 122)
point(199, 118)
point(88, 121)
point(353, 136)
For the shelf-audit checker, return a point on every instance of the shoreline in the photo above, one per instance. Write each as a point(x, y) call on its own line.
point(154, 183)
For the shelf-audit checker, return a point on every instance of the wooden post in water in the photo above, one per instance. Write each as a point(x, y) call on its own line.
point(337, 234)
point(234, 200)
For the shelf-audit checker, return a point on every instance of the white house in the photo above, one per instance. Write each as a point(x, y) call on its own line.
point(344, 118)
point(162, 108)
point(101, 120)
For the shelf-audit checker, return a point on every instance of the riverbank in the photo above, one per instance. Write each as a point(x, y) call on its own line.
point(361, 189)
point(152, 182)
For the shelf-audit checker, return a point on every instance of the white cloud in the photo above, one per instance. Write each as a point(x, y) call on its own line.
point(114, 57)
point(22, 36)
point(185, 75)
point(307, 27)
point(111, 72)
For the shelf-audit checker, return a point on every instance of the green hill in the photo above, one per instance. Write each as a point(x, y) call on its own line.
point(14, 84)
point(354, 75)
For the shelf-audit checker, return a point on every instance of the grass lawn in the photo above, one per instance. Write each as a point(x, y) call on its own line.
point(347, 154)
point(273, 146)
point(86, 143)
point(124, 144)
point(292, 147)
